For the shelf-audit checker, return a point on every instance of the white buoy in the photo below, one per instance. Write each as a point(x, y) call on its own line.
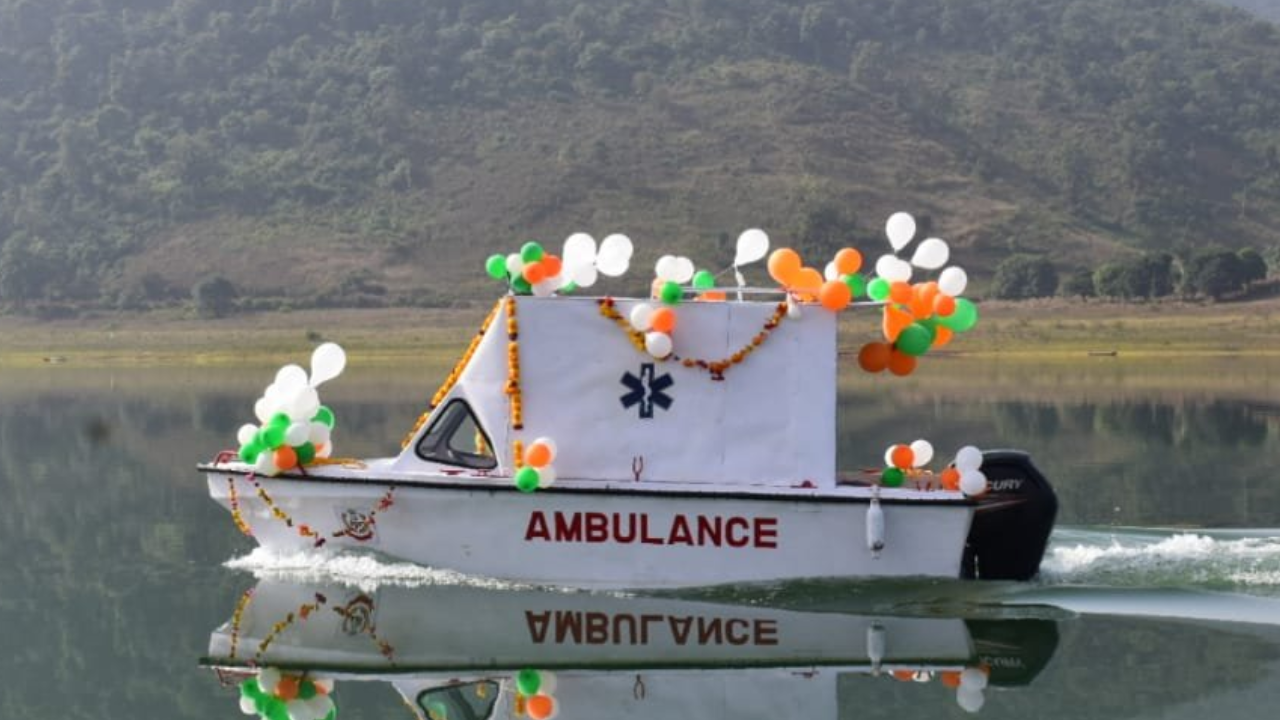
point(875, 646)
point(875, 527)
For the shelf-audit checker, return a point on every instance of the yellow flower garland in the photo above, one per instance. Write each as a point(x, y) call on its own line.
point(452, 378)
point(513, 366)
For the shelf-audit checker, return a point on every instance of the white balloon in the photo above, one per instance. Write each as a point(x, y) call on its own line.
point(585, 275)
point(579, 249)
point(318, 433)
point(888, 456)
point(549, 683)
point(515, 265)
point(246, 433)
point(684, 270)
point(546, 288)
point(830, 272)
point(931, 254)
point(247, 706)
point(268, 679)
point(969, 699)
point(290, 378)
point(658, 344)
point(968, 458)
point(546, 476)
point(893, 268)
point(325, 451)
point(900, 228)
point(325, 684)
point(277, 393)
point(303, 406)
point(973, 677)
point(551, 445)
point(953, 281)
point(793, 307)
point(973, 483)
point(753, 244)
point(263, 409)
point(923, 451)
point(297, 433)
point(298, 709)
point(327, 362)
point(615, 255)
point(266, 464)
point(666, 268)
point(642, 316)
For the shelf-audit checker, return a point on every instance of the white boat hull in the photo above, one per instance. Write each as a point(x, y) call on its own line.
point(603, 537)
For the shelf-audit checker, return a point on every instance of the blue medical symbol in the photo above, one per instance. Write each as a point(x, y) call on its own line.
point(647, 391)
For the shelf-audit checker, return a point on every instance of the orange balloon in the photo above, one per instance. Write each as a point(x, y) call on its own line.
point(663, 320)
point(835, 295)
point(535, 272)
point(808, 280)
point(928, 292)
point(900, 292)
point(950, 478)
point(944, 304)
point(537, 455)
point(902, 456)
point(874, 357)
point(904, 675)
point(713, 296)
point(552, 264)
point(920, 309)
point(540, 707)
point(942, 335)
point(848, 261)
point(950, 678)
point(287, 688)
point(895, 321)
point(285, 457)
point(784, 263)
point(900, 363)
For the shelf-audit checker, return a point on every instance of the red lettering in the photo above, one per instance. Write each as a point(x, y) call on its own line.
point(597, 628)
point(733, 636)
point(742, 524)
point(680, 534)
point(597, 527)
point(680, 628)
point(569, 531)
point(618, 621)
point(710, 531)
point(766, 632)
point(710, 631)
point(766, 532)
point(630, 535)
point(537, 623)
point(645, 537)
point(537, 529)
point(568, 624)
point(645, 622)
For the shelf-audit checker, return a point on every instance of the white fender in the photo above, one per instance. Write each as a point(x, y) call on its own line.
point(875, 646)
point(875, 527)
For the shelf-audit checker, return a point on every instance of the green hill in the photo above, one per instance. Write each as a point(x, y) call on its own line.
point(340, 152)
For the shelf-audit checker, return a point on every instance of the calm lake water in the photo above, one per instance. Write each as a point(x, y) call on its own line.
point(1160, 597)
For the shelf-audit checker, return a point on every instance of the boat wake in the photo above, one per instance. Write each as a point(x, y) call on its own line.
point(366, 572)
point(1241, 561)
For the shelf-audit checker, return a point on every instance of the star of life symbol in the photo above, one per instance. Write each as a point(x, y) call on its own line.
point(647, 391)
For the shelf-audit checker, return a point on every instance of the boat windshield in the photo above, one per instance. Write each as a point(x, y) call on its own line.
point(470, 701)
point(455, 438)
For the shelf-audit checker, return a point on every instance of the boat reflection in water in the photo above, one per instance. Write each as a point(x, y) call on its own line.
point(471, 653)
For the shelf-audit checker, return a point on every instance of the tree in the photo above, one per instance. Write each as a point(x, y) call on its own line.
point(1145, 277)
point(1078, 284)
point(214, 296)
point(1216, 272)
point(1019, 277)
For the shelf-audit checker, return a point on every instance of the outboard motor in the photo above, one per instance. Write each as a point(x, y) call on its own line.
point(1012, 522)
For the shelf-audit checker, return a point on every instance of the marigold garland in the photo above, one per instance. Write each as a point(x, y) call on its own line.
point(513, 366)
point(387, 500)
point(304, 611)
point(717, 368)
point(517, 453)
point(452, 378)
point(235, 620)
point(236, 516)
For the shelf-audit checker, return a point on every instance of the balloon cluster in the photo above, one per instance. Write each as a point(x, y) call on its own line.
point(657, 323)
point(537, 471)
point(534, 271)
point(274, 695)
point(904, 461)
point(969, 684)
point(834, 289)
point(536, 690)
point(917, 316)
point(295, 428)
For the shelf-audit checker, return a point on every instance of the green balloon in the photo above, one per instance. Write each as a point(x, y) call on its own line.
point(271, 437)
point(531, 252)
point(496, 266)
point(892, 477)
point(333, 714)
point(521, 286)
point(857, 284)
point(250, 451)
point(878, 289)
point(324, 415)
point(914, 339)
point(671, 293)
point(704, 280)
point(280, 420)
point(528, 681)
point(306, 453)
point(306, 690)
point(527, 479)
point(568, 288)
point(251, 689)
point(964, 317)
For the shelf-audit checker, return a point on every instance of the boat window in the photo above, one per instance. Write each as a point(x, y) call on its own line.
point(455, 438)
point(467, 701)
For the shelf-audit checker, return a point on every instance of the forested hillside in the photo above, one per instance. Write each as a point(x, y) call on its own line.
point(336, 152)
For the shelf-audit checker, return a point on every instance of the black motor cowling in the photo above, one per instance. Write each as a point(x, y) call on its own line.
point(1013, 520)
